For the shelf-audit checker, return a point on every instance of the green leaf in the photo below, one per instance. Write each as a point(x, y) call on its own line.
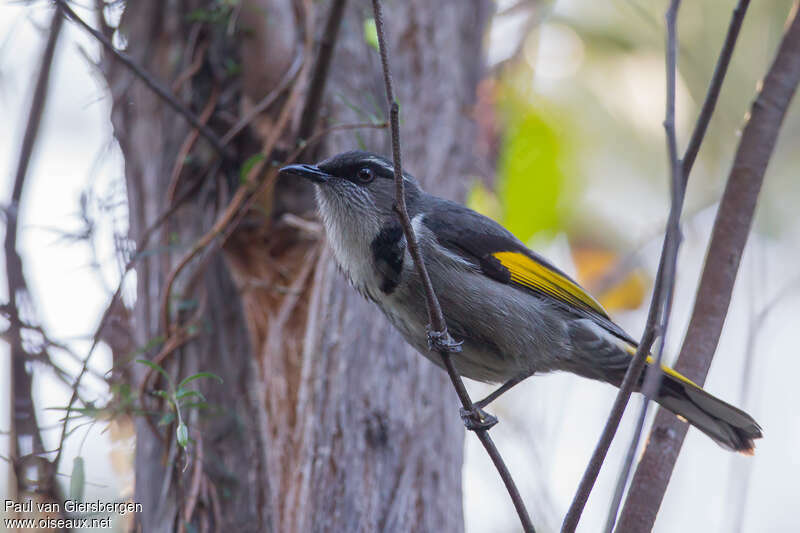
point(77, 480)
point(199, 375)
point(248, 165)
point(532, 184)
point(155, 367)
point(183, 435)
point(161, 393)
point(189, 393)
point(371, 33)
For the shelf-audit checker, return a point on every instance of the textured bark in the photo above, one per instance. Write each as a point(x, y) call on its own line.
point(327, 420)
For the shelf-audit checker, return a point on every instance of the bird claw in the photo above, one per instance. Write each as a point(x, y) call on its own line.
point(476, 419)
point(442, 341)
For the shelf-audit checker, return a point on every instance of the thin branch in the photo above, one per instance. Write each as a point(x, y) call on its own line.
point(438, 334)
point(140, 246)
point(265, 102)
point(728, 239)
point(662, 292)
point(23, 413)
point(319, 74)
point(701, 126)
point(151, 82)
point(712, 95)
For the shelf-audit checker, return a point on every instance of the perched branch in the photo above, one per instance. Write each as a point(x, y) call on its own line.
point(151, 82)
point(703, 119)
point(662, 292)
point(728, 239)
point(438, 328)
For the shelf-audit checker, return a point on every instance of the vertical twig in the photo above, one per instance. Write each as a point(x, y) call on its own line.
point(435, 316)
point(23, 408)
point(662, 292)
point(728, 238)
point(698, 134)
point(319, 74)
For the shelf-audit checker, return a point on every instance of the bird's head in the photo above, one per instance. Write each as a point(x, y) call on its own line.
point(355, 187)
point(355, 195)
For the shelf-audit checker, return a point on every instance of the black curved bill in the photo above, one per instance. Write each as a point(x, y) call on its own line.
point(306, 171)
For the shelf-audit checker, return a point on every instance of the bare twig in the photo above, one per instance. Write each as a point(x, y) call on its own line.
point(23, 412)
point(265, 102)
point(728, 238)
point(662, 292)
point(438, 326)
point(319, 75)
point(260, 177)
point(228, 215)
point(712, 95)
point(151, 82)
point(140, 245)
point(698, 134)
point(188, 143)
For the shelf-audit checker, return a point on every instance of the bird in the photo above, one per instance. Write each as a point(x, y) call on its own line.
point(512, 312)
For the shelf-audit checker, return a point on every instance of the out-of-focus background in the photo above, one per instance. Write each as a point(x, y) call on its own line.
point(572, 108)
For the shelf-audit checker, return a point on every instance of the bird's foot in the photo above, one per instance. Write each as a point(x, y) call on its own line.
point(441, 341)
point(476, 419)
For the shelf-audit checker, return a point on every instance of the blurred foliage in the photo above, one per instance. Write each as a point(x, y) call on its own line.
point(581, 150)
point(615, 283)
point(531, 181)
point(532, 193)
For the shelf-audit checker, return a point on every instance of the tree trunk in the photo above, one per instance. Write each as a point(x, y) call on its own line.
point(327, 420)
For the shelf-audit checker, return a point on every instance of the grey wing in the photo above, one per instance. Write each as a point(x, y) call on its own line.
point(479, 238)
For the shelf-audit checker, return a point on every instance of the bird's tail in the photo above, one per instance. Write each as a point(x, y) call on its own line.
point(729, 426)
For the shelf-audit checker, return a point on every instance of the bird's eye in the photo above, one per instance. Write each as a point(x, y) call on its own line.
point(365, 175)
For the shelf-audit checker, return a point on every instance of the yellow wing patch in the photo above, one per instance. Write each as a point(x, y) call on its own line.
point(534, 275)
point(665, 369)
point(673, 373)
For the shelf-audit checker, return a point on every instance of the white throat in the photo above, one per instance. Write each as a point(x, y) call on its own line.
point(350, 233)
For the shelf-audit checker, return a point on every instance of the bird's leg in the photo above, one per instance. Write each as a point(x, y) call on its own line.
point(500, 390)
point(474, 418)
point(477, 418)
point(441, 341)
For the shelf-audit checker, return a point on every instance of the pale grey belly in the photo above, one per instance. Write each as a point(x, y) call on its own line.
point(505, 331)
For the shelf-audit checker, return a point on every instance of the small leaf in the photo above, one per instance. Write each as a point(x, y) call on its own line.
point(155, 367)
point(198, 376)
point(183, 435)
point(189, 393)
point(77, 480)
point(248, 165)
point(161, 394)
point(371, 34)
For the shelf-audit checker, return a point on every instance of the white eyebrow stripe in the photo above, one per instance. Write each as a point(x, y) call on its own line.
point(381, 163)
point(388, 167)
